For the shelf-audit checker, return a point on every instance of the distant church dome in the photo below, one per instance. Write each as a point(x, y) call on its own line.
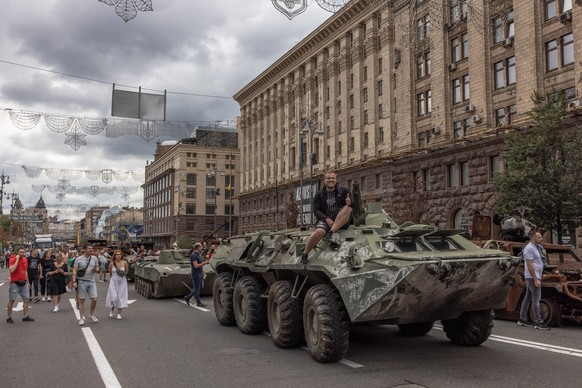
point(40, 204)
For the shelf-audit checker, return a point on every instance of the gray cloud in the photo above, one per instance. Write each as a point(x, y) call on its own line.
point(212, 48)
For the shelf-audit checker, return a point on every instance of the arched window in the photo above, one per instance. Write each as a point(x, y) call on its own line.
point(460, 221)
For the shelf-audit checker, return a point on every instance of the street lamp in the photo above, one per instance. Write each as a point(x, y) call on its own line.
point(4, 180)
point(309, 130)
point(212, 173)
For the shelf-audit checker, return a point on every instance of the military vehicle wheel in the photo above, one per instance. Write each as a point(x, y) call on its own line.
point(325, 322)
point(135, 283)
point(284, 315)
point(550, 312)
point(222, 297)
point(472, 328)
point(250, 310)
point(416, 329)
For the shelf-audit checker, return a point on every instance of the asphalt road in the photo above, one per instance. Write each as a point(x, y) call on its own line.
point(164, 343)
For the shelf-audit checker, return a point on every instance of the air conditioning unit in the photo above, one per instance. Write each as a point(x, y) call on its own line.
point(566, 17)
point(508, 42)
point(470, 108)
point(452, 66)
point(476, 119)
point(435, 130)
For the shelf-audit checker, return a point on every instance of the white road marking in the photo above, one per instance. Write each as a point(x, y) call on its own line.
point(2, 283)
point(19, 307)
point(131, 301)
point(530, 344)
point(181, 300)
point(105, 371)
point(107, 375)
point(344, 361)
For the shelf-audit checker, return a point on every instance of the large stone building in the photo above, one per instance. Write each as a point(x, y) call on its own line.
point(190, 188)
point(410, 98)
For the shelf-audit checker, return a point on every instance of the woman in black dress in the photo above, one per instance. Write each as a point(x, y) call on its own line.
point(58, 282)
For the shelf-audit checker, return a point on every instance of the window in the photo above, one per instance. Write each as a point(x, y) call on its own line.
point(339, 148)
point(190, 192)
point(229, 209)
point(426, 180)
point(351, 101)
point(380, 111)
point(211, 180)
point(365, 117)
point(210, 209)
point(190, 208)
point(464, 173)
point(458, 129)
point(379, 65)
point(365, 94)
point(365, 73)
point(191, 179)
point(551, 55)
point(351, 80)
point(381, 134)
point(380, 87)
point(567, 49)
point(503, 116)
point(459, 47)
point(495, 166)
point(459, 10)
point(423, 28)
point(422, 139)
point(505, 74)
point(352, 144)
point(452, 176)
point(339, 88)
point(210, 193)
point(503, 27)
point(424, 103)
point(461, 91)
point(339, 107)
point(554, 8)
point(423, 65)
point(378, 181)
point(365, 139)
point(352, 123)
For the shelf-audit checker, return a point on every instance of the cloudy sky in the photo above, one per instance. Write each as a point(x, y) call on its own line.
point(194, 47)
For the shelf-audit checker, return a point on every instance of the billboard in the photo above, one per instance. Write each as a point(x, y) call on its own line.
point(138, 105)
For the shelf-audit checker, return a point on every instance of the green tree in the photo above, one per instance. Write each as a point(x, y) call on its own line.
point(544, 167)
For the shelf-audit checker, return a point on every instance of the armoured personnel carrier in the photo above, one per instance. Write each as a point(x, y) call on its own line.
point(410, 275)
point(169, 275)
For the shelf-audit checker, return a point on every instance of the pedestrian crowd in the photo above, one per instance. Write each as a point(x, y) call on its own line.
point(38, 275)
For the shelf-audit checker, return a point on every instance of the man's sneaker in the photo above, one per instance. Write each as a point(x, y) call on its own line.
point(187, 300)
point(93, 318)
point(201, 305)
point(81, 322)
point(27, 319)
point(525, 323)
point(304, 258)
point(9, 320)
point(541, 326)
point(328, 235)
point(43, 299)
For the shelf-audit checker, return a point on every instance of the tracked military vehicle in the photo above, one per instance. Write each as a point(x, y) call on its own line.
point(169, 275)
point(410, 276)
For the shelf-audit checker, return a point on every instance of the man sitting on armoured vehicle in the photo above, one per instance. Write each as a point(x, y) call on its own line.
point(332, 207)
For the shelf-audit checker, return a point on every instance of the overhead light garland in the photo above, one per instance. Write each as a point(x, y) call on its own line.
point(105, 175)
point(75, 128)
point(60, 191)
point(127, 9)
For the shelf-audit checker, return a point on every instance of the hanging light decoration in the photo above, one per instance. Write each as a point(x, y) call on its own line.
point(127, 9)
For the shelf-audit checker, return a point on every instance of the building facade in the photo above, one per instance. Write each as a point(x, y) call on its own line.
point(410, 98)
point(191, 187)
